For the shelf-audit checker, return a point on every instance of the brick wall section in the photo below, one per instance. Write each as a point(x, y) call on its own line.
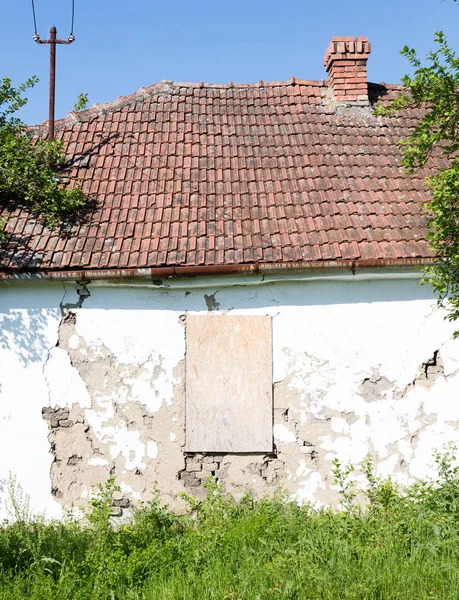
point(346, 63)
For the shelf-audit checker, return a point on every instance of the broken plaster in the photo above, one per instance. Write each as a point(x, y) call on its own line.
point(211, 302)
point(305, 439)
point(65, 309)
point(324, 349)
point(113, 434)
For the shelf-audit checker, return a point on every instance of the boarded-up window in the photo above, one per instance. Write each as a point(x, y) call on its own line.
point(228, 384)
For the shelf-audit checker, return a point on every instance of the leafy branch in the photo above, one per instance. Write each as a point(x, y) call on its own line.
point(30, 167)
point(434, 89)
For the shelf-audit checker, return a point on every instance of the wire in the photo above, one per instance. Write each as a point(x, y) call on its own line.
point(73, 17)
point(34, 18)
point(36, 37)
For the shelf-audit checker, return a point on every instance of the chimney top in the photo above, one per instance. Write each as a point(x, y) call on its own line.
point(346, 63)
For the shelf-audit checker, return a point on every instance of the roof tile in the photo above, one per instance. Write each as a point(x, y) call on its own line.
point(189, 175)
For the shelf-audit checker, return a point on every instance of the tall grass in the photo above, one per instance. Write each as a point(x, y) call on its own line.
point(396, 545)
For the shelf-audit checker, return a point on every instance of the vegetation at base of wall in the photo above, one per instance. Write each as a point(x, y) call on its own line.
point(382, 544)
point(30, 168)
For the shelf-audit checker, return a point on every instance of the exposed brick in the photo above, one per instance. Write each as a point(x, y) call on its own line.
point(210, 467)
point(122, 502)
point(194, 468)
point(208, 460)
point(203, 475)
point(189, 479)
point(193, 463)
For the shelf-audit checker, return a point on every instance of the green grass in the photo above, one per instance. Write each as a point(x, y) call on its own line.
point(401, 545)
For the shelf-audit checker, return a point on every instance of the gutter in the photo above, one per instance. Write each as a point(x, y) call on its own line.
point(157, 274)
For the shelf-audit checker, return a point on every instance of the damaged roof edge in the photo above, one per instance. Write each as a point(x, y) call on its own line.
point(209, 270)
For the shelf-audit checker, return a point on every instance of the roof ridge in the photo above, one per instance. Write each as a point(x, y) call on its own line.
point(261, 83)
point(167, 86)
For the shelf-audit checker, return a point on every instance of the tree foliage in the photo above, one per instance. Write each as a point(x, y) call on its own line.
point(434, 88)
point(30, 167)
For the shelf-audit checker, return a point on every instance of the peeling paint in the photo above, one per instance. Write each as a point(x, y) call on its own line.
point(211, 302)
point(94, 379)
point(118, 423)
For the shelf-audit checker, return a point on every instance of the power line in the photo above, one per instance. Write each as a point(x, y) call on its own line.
point(73, 18)
point(34, 19)
point(36, 37)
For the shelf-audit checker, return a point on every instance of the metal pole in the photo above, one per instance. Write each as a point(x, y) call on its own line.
point(52, 79)
point(52, 71)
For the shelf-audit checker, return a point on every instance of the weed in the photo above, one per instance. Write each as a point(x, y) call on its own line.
point(384, 544)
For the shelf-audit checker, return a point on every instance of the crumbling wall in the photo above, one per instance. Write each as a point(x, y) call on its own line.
point(119, 427)
point(360, 369)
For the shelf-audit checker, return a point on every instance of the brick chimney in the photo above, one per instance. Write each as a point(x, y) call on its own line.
point(346, 63)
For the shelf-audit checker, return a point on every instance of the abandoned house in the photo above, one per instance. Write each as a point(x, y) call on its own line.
point(244, 303)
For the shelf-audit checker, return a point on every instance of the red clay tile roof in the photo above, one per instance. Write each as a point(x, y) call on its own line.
point(199, 174)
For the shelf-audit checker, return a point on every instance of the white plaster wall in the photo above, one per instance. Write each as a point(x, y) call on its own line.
point(29, 318)
point(328, 337)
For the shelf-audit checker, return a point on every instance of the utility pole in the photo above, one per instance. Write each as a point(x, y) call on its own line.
point(52, 71)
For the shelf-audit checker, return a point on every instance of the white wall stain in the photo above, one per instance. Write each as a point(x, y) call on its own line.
point(98, 462)
point(68, 390)
point(152, 450)
point(283, 434)
point(348, 370)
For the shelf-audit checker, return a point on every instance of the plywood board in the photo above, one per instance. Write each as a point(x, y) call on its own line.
point(228, 384)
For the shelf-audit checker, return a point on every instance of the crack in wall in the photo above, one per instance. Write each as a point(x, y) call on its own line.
point(86, 448)
point(65, 309)
point(83, 293)
point(372, 388)
point(87, 444)
point(429, 371)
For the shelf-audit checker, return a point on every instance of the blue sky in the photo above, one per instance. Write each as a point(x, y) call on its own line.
point(122, 46)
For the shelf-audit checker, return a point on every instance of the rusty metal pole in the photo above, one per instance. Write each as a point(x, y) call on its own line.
point(52, 71)
point(52, 79)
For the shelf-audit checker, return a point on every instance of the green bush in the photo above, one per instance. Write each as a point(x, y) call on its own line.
point(383, 543)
